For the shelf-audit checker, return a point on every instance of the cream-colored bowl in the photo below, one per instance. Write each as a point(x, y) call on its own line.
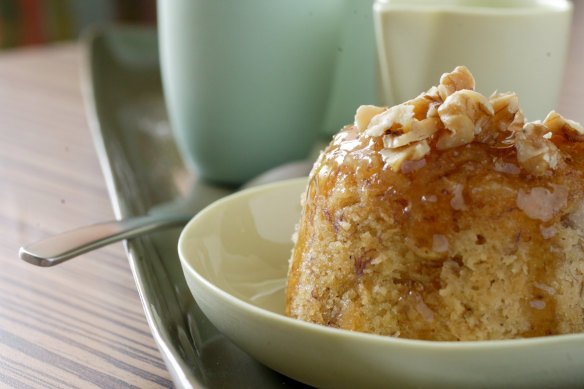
point(235, 258)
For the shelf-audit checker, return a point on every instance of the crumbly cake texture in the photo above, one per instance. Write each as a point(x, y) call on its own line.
point(448, 217)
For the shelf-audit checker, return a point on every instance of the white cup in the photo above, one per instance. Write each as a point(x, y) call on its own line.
point(512, 45)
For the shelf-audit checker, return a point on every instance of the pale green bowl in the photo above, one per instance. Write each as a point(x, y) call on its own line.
point(235, 257)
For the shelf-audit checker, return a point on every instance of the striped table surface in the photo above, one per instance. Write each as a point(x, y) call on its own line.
point(81, 324)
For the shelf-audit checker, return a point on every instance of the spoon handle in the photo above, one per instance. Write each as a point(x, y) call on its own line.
point(59, 248)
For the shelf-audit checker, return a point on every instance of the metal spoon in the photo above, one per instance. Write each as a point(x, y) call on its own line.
point(59, 248)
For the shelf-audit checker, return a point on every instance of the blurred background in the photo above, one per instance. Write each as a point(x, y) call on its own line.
point(34, 22)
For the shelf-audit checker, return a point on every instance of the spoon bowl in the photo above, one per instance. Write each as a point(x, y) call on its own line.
point(235, 256)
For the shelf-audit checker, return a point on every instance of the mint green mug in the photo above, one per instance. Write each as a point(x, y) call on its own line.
point(251, 84)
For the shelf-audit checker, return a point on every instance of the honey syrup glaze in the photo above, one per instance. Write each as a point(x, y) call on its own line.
point(447, 217)
point(474, 187)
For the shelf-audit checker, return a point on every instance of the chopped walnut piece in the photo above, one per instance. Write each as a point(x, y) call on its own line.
point(517, 123)
point(364, 115)
point(399, 114)
point(560, 125)
point(506, 112)
point(421, 106)
point(463, 113)
point(459, 79)
point(535, 152)
point(416, 130)
point(506, 119)
point(433, 111)
point(433, 94)
point(394, 158)
point(452, 114)
point(434, 101)
point(507, 103)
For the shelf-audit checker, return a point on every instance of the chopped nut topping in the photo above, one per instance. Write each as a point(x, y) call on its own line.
point(535, 152)
point(393, 158)
point(517, 123)
point(458, 80)
point(463, 114)
point(416, 130)
point(433, 94)
point(507, 118)
point(452, 114)
point(560, 125)
point(364, 115)
point(506, 103)
point(399, 114)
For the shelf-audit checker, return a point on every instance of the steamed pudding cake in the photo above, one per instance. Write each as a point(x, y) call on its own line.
point(448, 217)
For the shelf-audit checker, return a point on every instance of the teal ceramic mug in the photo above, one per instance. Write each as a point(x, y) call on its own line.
point(249, 84)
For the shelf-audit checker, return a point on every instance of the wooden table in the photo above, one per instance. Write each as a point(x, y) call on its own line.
point(81, 324)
